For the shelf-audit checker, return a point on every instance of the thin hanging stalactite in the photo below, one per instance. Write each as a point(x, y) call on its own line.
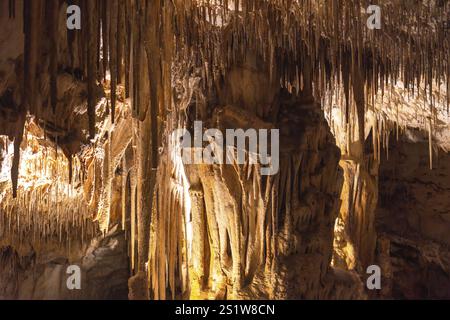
point(314, 46)
point(52, 18)
point(113, 50)
point(91, 38)
point(105, 23)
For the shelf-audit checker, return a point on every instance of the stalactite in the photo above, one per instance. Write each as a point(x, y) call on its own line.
point(121, 34)
point(91, 39)
point(45, 209)
point(12, 8)
point(16, 160)
point(309, 45)
point(52, 18)
point(113, 50)
point(105, 23)
point(358, 93)
point(314, 24)
point(32, 30)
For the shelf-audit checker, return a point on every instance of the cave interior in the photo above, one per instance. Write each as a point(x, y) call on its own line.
point(93, 176)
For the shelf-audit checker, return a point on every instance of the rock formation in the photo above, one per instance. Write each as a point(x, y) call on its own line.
point(91, 174)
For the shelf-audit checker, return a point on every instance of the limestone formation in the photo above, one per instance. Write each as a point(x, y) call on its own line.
point(92, 174)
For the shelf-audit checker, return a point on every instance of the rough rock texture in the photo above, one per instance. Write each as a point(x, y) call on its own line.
point(137, 288)
point(250, 230)
point(413, 219)
point(252, 236)
point(355, 234)
point(42, 276)
point(65, 119)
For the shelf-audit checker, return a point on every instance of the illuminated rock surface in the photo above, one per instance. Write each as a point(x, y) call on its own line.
point(88, 176)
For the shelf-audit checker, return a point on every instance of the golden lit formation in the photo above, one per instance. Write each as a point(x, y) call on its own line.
point(348, 100)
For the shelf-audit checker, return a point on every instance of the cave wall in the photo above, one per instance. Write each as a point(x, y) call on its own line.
point(413, 221)
point(43, 275)
point(248, 230)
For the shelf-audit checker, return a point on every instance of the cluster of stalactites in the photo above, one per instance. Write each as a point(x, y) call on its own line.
point(326, 46)
point(308, 44)
point(45, 215)
point(388, 116)
point(47, 208)
point(325, 42)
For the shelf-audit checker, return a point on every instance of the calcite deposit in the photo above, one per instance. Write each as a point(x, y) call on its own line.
point(355, 121)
